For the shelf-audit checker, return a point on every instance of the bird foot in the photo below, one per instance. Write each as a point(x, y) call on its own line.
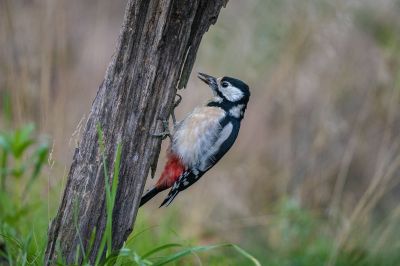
point(164, 134)
point(176, 103)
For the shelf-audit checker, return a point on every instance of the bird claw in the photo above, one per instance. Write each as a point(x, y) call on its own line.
point(163, 135)
point(166, 133)
point(176, 103)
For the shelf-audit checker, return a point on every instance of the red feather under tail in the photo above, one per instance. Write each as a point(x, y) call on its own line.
point(172, 170)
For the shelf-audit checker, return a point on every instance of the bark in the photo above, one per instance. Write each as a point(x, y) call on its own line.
point(155, 53)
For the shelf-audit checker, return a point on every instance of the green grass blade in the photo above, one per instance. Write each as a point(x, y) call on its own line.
point(101, 248)
point(91, 242)
point(112, 258)
point(133, 237)
point(187, 251)
point(109, 218)
point(12, 239)
point(80, 244)
point(160, 248)
point(110, 195)
point(116, 172)
point(246, 254)
point(3, 169)
point(102, 148)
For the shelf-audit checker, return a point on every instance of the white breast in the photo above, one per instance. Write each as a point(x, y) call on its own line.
point(196, 134)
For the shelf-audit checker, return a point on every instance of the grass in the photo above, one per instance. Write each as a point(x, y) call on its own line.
point(23, 243)
point(293, 235)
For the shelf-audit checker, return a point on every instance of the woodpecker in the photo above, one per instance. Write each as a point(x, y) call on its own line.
point(201, 139)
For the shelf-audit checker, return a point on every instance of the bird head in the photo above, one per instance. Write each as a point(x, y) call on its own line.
point(227, 89)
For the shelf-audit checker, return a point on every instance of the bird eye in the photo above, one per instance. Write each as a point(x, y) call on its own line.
point(224, 84)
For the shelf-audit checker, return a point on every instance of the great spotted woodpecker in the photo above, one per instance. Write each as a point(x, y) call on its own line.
point(203, 137)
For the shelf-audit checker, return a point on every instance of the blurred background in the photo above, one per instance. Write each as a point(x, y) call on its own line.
point(314, 176)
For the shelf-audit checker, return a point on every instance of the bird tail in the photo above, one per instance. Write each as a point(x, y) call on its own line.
point(149, 195)
point(171, 196)
point(172, 171)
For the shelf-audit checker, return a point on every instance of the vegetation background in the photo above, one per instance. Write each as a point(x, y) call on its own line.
point(314, 176)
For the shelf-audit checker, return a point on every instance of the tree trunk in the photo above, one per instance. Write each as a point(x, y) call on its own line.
point(155, 53)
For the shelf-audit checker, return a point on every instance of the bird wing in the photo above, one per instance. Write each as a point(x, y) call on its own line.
point(219, 146)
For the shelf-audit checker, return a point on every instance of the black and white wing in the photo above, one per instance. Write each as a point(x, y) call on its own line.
point(219, 147)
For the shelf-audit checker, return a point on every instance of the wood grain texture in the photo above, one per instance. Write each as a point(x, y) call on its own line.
point(158, 43)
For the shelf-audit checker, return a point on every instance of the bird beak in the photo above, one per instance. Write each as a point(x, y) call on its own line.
point(209, 80)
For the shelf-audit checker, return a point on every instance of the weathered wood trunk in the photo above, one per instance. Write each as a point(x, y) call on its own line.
point(157, 45)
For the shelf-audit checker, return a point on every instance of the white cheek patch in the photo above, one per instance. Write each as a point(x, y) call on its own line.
point(231, 93)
